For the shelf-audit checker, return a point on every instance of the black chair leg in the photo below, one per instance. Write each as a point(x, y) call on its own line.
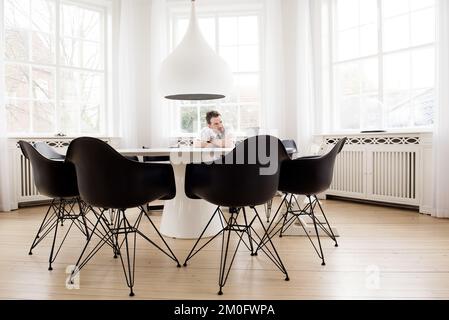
point(66, 212)
point(288, 205)
point(111, 236)
point(58, 211)
point(321, 255)
point(272, 228)
point(192, 252)
point(333, 237)
point(228, 254)
point(225, 260)
point(83, 216)
point(129, 266)
point(48, 220)
point(248, 232)
point(50, 268)
point(170, 253)
point(272, 254)
point(108, 236)
point(308, 210)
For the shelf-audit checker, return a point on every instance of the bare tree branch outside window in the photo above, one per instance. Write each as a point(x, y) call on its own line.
point(47, 93)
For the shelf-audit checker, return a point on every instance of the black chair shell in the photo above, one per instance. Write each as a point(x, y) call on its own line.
point(55, 179)
point(47, 151)
point(107, 179)
point(309, 175)
point(290, 147)
point(236, 185)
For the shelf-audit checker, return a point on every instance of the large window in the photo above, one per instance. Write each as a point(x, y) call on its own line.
point(383, 62)
point(55, 67)
point(236, 38)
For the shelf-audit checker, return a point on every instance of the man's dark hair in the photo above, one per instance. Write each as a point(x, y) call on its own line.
point(212, 114)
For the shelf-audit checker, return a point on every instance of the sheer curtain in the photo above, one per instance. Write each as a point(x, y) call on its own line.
point(441, 132)
point(6, 203)
point(305, 114)
point(273, 106)
point(300, 86)
point(159, 111)
point(142, 46)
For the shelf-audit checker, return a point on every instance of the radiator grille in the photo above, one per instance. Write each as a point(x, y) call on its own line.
point(28, 189)
point(348, 172)
point(394, 174)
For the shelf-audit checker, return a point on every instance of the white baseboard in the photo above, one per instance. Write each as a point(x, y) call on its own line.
point(426, 210)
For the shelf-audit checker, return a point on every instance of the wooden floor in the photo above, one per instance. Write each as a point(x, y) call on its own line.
point(384, 253)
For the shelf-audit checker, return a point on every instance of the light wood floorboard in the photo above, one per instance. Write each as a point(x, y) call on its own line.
point(409, 250)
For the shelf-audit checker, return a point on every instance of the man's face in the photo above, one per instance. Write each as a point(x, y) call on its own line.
point(216, 124)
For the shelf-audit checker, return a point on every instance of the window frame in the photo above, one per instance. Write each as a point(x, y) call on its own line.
point(216, 11)
point(380, 56)
point(105, 8)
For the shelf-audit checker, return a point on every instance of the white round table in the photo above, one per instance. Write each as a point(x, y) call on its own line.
point(182, 217)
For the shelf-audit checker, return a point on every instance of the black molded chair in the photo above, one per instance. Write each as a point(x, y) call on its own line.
point(108, 180)
point(47, 151)
point(307, 176)
point(242, 178)
point(155, 158)
point(57, 180)
point(290, 147)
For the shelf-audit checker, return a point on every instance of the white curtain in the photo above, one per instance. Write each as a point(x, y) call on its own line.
point(6, 203)
point(142, 47)
point(273, 106)
point(160, 114)
point(300, 89)
point(441, 132)
point(305, 114)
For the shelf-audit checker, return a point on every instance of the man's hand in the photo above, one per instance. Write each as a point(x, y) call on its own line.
point(222, 143)
point(202, 144)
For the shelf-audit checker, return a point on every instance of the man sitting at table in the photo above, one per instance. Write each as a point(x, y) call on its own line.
point(214, 135)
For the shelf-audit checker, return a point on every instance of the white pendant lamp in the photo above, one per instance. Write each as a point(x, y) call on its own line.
point(193, 71)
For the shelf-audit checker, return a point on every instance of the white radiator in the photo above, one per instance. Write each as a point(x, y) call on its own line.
point(379, 168)
point(348, 172)
point(394, 174)
point(27, 190)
